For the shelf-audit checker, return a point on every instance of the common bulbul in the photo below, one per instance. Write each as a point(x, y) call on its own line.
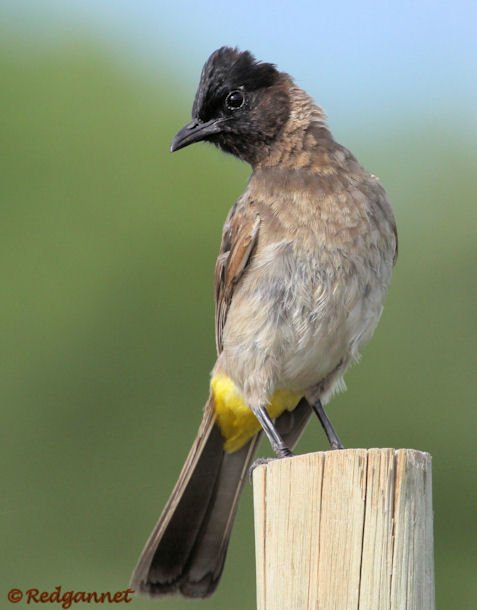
point(303, 269)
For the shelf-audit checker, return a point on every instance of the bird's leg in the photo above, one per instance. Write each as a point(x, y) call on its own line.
point(333, 438)
point(275, 439)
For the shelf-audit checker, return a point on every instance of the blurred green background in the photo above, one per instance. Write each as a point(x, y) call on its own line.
point(108, 244)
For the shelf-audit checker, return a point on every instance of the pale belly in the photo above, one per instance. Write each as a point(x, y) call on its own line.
point(288, 332)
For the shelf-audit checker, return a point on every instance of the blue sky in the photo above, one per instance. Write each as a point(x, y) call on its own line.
point(368, 59)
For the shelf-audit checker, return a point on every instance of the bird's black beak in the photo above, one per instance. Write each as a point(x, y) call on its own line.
point(195, 131)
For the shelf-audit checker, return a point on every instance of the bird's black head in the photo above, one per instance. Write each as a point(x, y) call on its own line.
point(241, 105)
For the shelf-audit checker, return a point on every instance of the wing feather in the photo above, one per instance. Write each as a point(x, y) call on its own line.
point(239, 239)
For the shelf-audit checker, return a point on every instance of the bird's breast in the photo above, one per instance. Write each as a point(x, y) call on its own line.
point(312, 292)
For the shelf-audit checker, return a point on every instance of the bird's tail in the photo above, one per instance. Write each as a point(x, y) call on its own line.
point(185, 552)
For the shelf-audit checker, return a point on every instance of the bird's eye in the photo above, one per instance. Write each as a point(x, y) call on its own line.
point(234, 100)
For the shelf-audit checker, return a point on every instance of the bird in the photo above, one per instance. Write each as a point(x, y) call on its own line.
point(305, 262)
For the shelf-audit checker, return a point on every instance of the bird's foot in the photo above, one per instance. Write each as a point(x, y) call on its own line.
point(282, 453)
point(258, 462)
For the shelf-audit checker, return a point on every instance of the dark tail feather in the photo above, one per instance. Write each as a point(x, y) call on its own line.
point(186, 550)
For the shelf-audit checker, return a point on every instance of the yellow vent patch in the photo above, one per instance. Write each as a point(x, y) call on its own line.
point(236, 421)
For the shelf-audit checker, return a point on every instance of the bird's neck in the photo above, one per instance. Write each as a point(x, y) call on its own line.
point(304, 141)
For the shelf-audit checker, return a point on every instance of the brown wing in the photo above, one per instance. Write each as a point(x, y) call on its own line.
point(239, 238)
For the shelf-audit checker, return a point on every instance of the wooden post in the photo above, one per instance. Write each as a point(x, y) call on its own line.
point(345, 530)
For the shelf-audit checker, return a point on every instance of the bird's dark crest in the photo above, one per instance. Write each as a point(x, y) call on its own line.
point(228, 69)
